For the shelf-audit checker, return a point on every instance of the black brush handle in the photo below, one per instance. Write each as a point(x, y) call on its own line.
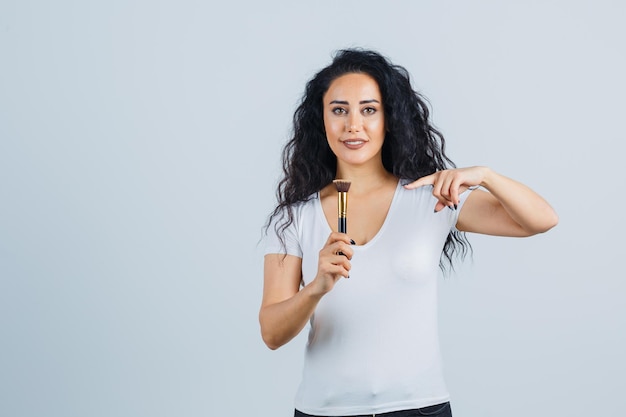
point(342, 225)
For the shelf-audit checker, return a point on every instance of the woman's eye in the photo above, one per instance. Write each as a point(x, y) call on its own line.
point(339, 110)
point(369, 110)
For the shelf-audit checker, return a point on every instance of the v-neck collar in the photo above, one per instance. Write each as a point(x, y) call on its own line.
point(320, 213)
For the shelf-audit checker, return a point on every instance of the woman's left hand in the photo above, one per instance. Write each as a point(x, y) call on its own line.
point(450, 183)
point(505, 208)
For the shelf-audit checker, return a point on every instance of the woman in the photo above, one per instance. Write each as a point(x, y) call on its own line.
point(373, 342)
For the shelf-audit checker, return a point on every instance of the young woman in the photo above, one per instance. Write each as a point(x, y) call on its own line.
point(373, 343)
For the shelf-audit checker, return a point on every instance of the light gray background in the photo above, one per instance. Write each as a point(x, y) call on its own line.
point(139, 152)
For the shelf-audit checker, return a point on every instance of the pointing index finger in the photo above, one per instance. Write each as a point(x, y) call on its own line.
point(427, 180)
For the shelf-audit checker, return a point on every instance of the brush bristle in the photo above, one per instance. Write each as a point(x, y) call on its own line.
point(342, 185)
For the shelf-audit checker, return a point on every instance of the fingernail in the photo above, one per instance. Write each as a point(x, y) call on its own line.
point(435, 211)
point(352, 242)
point(450, 207)
point(456, 206)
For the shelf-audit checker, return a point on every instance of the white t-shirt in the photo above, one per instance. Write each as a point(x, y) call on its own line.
point(373, 343)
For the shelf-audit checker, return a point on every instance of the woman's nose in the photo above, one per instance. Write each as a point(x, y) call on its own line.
point(354, 123)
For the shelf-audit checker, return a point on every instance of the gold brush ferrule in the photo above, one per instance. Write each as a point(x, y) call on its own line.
point(342, 204)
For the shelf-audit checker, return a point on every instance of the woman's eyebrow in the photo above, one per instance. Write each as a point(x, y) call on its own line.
point(373, 100)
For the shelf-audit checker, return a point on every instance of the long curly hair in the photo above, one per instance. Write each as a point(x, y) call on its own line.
point(412, 147)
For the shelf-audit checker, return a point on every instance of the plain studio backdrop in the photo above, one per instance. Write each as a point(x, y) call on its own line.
point(139, 154)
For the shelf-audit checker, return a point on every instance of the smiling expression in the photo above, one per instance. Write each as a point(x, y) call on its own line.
point(354, 119)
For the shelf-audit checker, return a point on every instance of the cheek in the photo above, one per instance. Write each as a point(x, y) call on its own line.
point(333, 129)
point(330, 134)
point(379, 125)
point(327, 126)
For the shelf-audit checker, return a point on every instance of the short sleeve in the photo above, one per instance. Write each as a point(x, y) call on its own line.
point(462, 199)
point(271, 238)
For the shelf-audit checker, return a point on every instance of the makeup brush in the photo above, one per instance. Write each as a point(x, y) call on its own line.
point(342, 204)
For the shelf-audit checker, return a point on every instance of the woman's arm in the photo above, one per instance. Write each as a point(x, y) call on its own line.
point(285, 308)
point(508, 209)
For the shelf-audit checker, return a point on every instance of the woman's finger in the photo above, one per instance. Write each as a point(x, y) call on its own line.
point(420, 182)
point(446, 188)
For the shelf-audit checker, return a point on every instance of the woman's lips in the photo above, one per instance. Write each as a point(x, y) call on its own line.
point(354, 143)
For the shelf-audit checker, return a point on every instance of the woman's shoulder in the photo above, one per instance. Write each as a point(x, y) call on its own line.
point(298, 207)
point(420, 192)
point(419, 199)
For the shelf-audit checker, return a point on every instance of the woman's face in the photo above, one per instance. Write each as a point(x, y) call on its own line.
point(354, 119)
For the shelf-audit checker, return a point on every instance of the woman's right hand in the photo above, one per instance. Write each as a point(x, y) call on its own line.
point(286, 308)
point(333, 262)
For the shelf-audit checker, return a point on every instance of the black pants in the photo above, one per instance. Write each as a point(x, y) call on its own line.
point(439, 410)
